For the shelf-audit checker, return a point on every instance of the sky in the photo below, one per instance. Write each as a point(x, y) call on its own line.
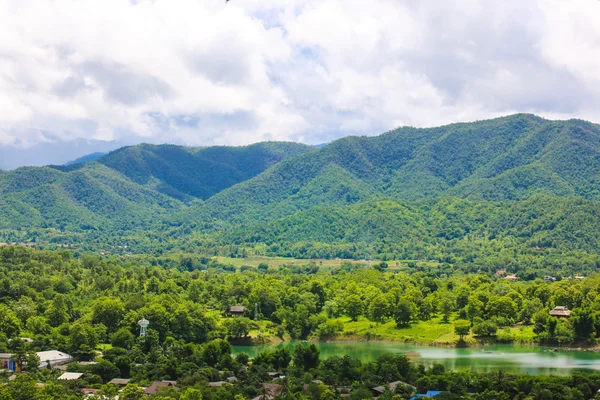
point(203, 72)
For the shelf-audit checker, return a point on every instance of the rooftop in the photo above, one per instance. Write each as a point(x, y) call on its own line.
point(53, 356)
point(217, 384)
point(560, 311)
point(119, 381)
point(430, 393)
point(392, 386)
point(153, 389)
point(70, 376)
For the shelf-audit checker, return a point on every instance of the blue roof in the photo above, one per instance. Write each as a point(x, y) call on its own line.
point(430, 393)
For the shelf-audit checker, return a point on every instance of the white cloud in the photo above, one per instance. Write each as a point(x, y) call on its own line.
point(206, 72)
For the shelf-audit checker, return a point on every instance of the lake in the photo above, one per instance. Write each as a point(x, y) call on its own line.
point(509, 358)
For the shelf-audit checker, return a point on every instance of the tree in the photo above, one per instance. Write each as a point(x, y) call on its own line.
point(132, 392)
point(58, 311)
point(9, 323)
point(123, 363)
point(38, 325)
point(391, 367)
point(108, 311)
point(503, 307)
point(82, 340)
point(122, 338)
point(583, 322)
point(462, 328)
point(191, 394)
point(306, 357)
point(25, 308)
point(23, 387)
point(105, 369)
point(239, 327)
point(446, 307)
point(485, 328)
point(263, 267)
point(563, 334)
point(353, 307)
point(380, 308)
point(529, 308)
point(474, 308)
point(403, 313)
point(381, 267)
point(214, 351)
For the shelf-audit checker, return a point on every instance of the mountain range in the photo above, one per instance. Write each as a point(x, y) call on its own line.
point(355, 196)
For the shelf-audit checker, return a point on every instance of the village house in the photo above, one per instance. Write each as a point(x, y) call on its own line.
point(7, 362)
point(237, 310)
point(392, 387)
point(560, 311)
point(53, 358)
point(156, 385)
point(218, 384)
point(430, 393)
point(512, 278)
point(270, 391)
point(119, 381)
point(70, 376)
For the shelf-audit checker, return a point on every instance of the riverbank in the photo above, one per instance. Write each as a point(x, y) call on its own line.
point(434, 333)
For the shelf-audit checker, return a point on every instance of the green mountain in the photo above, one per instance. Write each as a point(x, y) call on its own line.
point(90, 197)
point(129, 188)
point(510, 158)
point(187, 173)
point(87, 158)
point(513, 188)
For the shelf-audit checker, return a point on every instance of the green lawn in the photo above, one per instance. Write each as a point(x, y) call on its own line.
point(427, 332)
point(333, 263)
point(432, 332)
point(104, 346)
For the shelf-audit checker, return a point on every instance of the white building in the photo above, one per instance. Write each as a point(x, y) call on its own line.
point(54, 357)
point(70, 376)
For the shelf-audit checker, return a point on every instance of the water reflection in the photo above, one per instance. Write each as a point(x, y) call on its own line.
point(509, 358)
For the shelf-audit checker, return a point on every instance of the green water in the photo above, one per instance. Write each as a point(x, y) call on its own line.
point(509, 358)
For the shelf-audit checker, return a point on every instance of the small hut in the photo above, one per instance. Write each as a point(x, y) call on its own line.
point(237, 310)
point(560, 311)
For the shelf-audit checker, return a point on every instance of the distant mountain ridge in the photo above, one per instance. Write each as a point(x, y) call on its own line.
point(289, 198)
point(509, 158)
point(84, 159)
point(55, 152)
point(129, 187)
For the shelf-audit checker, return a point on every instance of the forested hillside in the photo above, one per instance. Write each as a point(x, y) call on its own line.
point(508, 158)
point(89, 308)
point(187, 173)
point(127, 188)
point(517, 189)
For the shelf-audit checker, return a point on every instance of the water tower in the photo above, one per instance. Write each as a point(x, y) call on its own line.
point(143, 323)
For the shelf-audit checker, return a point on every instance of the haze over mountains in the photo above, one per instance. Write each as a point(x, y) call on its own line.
point(53, 152)
point(448, 183)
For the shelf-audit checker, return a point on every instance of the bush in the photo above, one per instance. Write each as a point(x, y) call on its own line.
point(485, 328)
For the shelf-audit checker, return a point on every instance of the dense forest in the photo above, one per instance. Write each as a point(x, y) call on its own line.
point(90, 305)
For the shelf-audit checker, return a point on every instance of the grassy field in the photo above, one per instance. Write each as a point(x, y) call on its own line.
point(275, 262)
point(423, 332)
point(432, 332)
